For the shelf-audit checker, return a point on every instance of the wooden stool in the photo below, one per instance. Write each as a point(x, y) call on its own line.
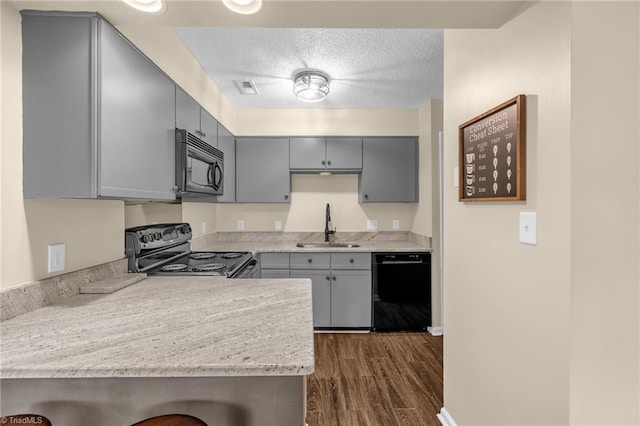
point(25, 420)
point(171, 420)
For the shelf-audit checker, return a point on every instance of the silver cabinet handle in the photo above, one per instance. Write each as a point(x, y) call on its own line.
point(329, 162)
point(333, 277)
point(328, 278)
point(323, 162)
point(310, 260)
point(350, 260)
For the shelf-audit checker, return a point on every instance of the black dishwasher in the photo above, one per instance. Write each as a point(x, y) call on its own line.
point(401, 291)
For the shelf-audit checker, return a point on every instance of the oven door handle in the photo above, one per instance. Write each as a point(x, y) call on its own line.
point(164, 262)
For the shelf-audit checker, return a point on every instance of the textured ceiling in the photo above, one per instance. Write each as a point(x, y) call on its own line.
point(369, 68)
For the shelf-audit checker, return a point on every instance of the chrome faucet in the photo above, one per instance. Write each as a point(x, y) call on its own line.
point(327, 225)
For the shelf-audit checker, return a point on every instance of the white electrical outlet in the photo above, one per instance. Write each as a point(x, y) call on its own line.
point(204, 227)
point(57, 257)
point(240, 225)
point(456, 177)
point(395, 224)
point(278, 225)
point(372, 224)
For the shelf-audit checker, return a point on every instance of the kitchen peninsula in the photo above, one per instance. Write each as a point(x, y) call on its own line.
point(231, 352)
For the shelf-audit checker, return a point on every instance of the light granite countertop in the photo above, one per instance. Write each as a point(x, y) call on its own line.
point(282, 243)
point(167, 327)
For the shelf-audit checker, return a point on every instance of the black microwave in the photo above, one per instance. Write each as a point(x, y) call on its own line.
point(199, 166)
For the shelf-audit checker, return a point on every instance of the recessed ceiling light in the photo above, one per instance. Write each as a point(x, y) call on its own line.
point(244, 7)
point(149, 6)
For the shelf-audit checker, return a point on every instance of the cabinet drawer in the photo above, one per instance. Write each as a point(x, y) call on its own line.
point(351, 261)
point(310, 261)
point(274, 273)
point(274, 261)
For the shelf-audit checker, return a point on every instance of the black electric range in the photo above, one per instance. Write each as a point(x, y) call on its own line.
point(165, 249)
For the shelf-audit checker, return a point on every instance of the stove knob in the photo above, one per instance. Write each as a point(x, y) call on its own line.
point(158, 236)
point(144, 239)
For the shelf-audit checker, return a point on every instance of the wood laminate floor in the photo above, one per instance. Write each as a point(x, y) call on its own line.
point(375, 379)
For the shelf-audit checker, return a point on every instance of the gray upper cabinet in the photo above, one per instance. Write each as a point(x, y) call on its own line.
point(317, 154)
point(262, 170)
point(389, 170)
point(195, 119)
point(208, 128)
point(187, 112)
point(227, 144)
point(99, 116)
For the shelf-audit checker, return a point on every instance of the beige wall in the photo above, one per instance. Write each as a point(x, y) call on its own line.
point(427, 211)
point(506, 305)
point(548, 334)
point(309, 195)
point(605, 283)
point(150, 213)
point(29, 226)
point(327, 122)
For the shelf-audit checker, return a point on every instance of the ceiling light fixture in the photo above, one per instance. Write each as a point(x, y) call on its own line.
point(311, 86)
point(149, 6)
point(244, 7)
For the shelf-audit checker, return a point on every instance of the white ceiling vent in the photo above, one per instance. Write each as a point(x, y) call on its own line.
point(246, 87)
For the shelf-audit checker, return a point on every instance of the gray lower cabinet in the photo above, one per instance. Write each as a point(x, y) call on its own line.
point(350, 298)
point(389, 170)
point(321, 294)
point(262, 170)
point(333, 154)
point(227, 144)
point(341, 287)
point(274, 265)
point(99, 116)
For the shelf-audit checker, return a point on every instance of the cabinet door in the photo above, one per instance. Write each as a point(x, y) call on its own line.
point(262, 170)
point(389, 171)
point(351, 299)
point(307, 153)
point(208, 128)
point(187, 112)
point(137, 119)
point(57, 103)
point(227, 144)
point(321, 295)
point(344, 153)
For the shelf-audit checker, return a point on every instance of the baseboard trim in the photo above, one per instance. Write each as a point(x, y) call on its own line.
point(445, 418)
point(435, 331)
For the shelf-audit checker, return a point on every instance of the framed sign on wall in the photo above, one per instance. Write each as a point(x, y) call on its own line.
point(492, 147)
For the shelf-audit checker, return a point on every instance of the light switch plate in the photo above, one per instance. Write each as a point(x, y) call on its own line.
point(278, 225)
point(57, 255)
point(395, 224)
point(204, 227)
point(240, 225)
point(528, 228)
point(372, 224)
point(456, 177)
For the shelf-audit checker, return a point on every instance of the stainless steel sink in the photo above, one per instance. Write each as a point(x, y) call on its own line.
point(327, 245)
